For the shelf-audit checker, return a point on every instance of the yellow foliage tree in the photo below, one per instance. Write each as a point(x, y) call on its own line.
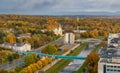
point(11, 38)
point(25, 70)
point(40, 64)
point(44, 62)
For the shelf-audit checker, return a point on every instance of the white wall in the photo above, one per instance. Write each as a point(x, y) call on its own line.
point(24, 48)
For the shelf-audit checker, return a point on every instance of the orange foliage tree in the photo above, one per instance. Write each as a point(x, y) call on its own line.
point(91, 62)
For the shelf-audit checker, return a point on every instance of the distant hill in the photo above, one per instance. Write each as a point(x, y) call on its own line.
point(86, 14)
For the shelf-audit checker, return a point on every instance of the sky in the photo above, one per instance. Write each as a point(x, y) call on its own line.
point(59, 7)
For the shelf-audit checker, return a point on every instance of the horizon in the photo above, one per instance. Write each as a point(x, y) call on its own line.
point(69, 14)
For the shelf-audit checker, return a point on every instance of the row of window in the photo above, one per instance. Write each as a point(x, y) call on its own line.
point(113, 66)
point(113, 70)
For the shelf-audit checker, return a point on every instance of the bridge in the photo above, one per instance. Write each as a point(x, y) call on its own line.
point(54, 56)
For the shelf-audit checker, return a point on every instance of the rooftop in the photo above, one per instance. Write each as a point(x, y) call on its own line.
point(20, 44)
point(115, 40)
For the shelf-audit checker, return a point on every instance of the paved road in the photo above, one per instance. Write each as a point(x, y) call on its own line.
point(10, 65)
point(88, 40)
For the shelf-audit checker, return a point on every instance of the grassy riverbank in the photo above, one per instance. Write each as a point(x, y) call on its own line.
point(82, 67)
point(64, 62)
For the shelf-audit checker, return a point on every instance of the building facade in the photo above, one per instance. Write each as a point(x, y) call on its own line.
point(110, 56)
point(69, 38)
point(113, 38)
point(22, 47)
point(58, 30)
point(109, 66)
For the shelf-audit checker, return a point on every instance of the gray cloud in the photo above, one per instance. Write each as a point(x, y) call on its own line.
point(49, 6)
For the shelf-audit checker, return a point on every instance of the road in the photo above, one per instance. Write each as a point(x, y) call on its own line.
point(15, 63)
point(88, 40)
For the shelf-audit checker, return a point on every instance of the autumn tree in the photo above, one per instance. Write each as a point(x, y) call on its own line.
point(29, 59)
point(50, 49)
point(44, 62)
point(3, 71)
point(91, 62)
point(65, 49)
point(40, 63)
point(103, 44)
point(11, 38)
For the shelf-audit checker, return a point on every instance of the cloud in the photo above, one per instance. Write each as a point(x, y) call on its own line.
point(47, 6)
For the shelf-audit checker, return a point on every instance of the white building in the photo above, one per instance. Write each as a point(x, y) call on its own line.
point(22, 47)
point(113, 38)
point(26, 35)
point(57, 31)
point(110, 57)
point(69, 38)
point(79, 31)
point(7, 45)
point(109, 66)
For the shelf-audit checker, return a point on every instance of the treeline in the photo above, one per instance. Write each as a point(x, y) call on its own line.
point(94, 34)
point(32, 64)
point(21, 24)
point(7, 55)
point(33, 67)
point(106, 24)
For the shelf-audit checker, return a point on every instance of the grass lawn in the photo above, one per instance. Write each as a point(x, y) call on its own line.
point(82, 67)
point(59, 53)
point(101, 37)
point(64, 62)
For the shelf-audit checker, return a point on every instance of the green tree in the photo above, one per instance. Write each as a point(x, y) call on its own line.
point(29, 59)
point(50, 49)
point(3, 71)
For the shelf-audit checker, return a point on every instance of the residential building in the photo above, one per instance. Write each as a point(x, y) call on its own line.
point(26, 35)
point(79, 31)
point(22, 47)
point(7, 45)
point(69, 38)
point(57, 30)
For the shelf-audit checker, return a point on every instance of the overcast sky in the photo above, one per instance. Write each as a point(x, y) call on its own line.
point(57, 6)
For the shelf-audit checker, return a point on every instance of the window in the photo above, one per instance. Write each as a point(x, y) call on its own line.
point(111, 66)
point(118, 70)
point(114, 66)
point(108, 65)
point(115, 70)
point(111, 70)
point(118, 66)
